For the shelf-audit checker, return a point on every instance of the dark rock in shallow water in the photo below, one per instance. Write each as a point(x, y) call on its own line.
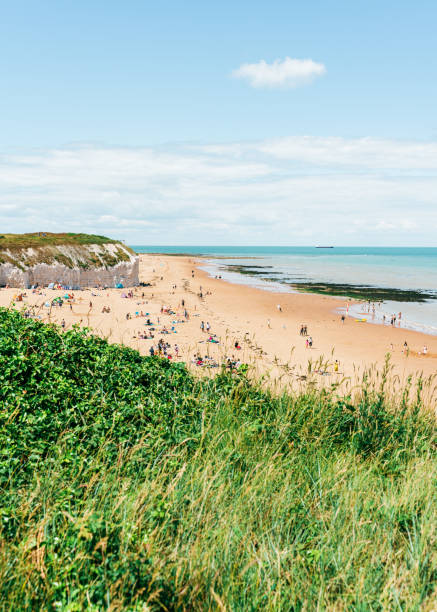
point(364, 292)
point(358, 292)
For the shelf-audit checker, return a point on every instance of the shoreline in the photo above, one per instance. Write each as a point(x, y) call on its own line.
point(276, 286)
point(362, 344)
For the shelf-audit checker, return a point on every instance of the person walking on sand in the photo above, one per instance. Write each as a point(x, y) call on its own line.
point(307, 344)
point(336, 366)
point(279, 307)
point(268, 323)
point(202, 326)
point(310, 342)
point(208, 327)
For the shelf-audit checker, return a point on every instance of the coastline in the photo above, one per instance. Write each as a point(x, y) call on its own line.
point(355, 344)
point(387, 301)
point(269, 339)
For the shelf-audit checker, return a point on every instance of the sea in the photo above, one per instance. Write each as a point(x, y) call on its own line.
point(277, 268)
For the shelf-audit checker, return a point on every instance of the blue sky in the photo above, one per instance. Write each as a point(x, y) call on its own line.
point(155, 80)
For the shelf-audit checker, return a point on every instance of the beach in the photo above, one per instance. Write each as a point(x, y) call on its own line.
point(264, 324)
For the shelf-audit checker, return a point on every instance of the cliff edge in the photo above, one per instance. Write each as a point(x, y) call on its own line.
point(73, 260)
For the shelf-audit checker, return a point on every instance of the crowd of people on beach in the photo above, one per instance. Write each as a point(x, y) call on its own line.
point(160, 325)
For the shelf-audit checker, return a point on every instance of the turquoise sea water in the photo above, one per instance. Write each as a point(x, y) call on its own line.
point(388, 267)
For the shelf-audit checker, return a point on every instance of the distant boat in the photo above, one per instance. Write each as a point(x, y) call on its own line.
point(324, 247)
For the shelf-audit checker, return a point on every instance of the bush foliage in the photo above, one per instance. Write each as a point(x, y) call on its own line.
point(128, 484)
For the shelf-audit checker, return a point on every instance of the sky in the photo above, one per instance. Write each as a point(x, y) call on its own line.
point(259, 123)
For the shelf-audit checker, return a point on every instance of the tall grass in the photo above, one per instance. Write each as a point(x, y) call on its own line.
point(37, 239)
point(127, 484)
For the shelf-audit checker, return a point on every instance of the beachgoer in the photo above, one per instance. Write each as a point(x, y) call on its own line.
point(208, 327)
point(202, 326)
point(336, 366)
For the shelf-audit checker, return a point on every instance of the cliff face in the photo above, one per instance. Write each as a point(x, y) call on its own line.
point(73, 265)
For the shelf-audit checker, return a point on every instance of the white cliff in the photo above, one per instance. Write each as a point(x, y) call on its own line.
point(72, 265)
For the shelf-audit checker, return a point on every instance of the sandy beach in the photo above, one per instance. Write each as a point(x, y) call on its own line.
point(181, 296)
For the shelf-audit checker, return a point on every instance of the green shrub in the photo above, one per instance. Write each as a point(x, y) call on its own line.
point(128, 484)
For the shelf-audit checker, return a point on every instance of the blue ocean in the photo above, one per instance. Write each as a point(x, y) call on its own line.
point(381, 267)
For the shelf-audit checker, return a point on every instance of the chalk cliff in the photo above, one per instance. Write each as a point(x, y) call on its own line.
point(73, 264)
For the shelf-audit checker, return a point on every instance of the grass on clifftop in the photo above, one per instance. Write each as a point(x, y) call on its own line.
point(41, 239)
point(127, 484)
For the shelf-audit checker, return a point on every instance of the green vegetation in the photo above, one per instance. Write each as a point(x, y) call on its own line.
point(41, 239)
point(128, 484)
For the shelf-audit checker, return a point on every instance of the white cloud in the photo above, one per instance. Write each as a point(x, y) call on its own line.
point(286, 73)
point(360, 152)
point(289, 191)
